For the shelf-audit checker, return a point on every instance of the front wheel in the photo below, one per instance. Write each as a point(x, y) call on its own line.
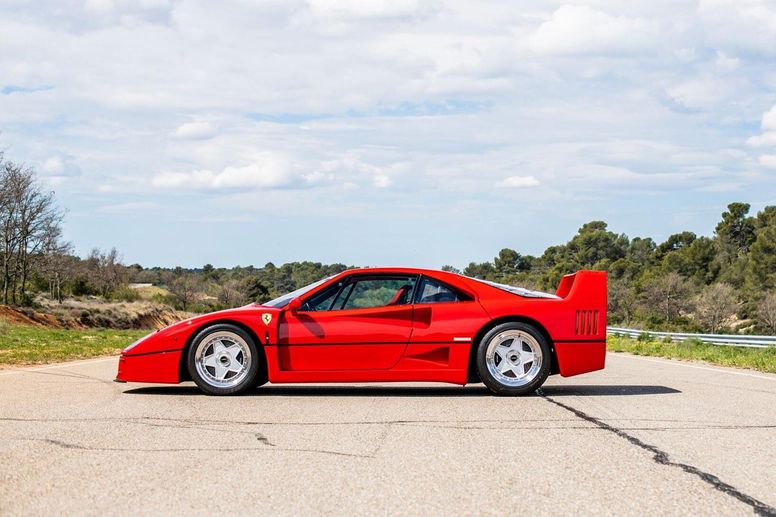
point(513, 359)
point(224, 360)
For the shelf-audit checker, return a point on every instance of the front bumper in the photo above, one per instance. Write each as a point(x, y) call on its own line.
point(157, 367)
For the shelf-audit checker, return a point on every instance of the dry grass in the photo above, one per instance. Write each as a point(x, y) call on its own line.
point(95, 312)
point(151, 292)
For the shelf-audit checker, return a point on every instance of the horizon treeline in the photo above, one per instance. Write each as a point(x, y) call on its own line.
point(720, 283)
point(726, 282)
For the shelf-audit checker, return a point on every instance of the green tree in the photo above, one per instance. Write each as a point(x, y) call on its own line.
point(484, 270)
point(693, 258)
point(675, 242)
point(641, 251)
point(509, 263)
point(256, 291)
point(595, 246)
point(736, 231)
point(209, 272)
point(761, 267)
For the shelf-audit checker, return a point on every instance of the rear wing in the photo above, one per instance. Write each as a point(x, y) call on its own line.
point(586, 292)
point(588, 284)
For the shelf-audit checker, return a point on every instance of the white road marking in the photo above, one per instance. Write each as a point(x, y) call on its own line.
point(58, 365)
point(683, 363)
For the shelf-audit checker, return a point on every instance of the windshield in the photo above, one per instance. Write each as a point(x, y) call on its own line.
point(520, 291)
point(282, 301)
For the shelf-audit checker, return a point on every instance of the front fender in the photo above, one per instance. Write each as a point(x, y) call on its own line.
point(157, 357)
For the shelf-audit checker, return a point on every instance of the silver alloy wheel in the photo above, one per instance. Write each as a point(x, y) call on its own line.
point(223, 359)
point(514, 358)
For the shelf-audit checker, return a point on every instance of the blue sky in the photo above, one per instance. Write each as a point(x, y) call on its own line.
point(386, 132)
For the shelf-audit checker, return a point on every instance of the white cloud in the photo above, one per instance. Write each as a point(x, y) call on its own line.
point(363, 8)
point(769, 119)
point(579, 29)
point(518, 182)
point(267, 170)
point(195, 131)
point(351, 169)
point(768, 160)
point(130, 207)
point(382, 181)
point(411, 102)
point(768, 138)
point(59, 166)
point(700, 93)
point(740, 26)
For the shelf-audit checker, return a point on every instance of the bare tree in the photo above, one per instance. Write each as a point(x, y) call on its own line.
point(715, 304)
point(57, 265)
point(184, 288)
point(668, 296)
point(622, 301)
point(106, 271)
point(230, 293)
point(766, 312)
point(28, 218)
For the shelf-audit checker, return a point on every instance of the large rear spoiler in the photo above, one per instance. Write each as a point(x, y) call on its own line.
point(587, 285)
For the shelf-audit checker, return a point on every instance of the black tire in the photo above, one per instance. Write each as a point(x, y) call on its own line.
point(250, 377)
point(526, 339)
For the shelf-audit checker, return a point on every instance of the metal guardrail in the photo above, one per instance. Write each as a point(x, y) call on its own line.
point(714, 339)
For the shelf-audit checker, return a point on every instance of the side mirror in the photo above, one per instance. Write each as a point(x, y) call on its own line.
point(294, 305)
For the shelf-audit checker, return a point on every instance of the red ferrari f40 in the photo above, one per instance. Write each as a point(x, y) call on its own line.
point(383, 325)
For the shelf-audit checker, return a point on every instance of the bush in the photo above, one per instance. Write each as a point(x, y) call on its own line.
point(125, 294)
point(28, 300)
point(82, 287)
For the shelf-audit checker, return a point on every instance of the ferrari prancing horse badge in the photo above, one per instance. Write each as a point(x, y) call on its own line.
point(266, 318)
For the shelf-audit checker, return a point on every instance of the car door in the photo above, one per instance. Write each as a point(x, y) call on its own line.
point(362, 322)
point(446, 320)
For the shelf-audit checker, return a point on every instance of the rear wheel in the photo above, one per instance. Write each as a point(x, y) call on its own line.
point(513, 359)
point(224, 360)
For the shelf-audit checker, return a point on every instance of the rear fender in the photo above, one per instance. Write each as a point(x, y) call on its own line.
point(581, 346)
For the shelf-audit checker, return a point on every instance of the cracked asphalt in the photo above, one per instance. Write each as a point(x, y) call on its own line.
point(644, 435)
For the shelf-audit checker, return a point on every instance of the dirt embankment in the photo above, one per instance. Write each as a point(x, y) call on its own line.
point(27, 317)
point(78, 314)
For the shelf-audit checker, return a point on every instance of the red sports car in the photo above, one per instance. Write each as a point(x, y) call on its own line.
point(386, 324)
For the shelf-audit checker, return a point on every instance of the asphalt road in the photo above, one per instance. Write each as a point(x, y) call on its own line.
point(644, 435)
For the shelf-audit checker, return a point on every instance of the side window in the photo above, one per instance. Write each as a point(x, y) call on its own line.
point(432, 291)
point(323, 301)
point(378, 292)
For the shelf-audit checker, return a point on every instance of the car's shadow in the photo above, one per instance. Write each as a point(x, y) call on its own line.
point(475, 390)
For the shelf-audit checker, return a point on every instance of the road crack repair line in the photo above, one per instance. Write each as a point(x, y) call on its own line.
point(74, 446)
point(661, 458)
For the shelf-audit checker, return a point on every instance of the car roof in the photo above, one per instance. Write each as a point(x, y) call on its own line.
point(472, 285)
point(460, 281)
point(396, 269)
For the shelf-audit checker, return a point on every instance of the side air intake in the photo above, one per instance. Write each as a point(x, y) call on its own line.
point(586, 323)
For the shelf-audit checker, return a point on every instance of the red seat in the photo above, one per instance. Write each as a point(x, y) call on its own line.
point(400, 298)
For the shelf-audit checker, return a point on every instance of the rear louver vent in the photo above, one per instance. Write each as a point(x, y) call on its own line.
point(586, 323)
